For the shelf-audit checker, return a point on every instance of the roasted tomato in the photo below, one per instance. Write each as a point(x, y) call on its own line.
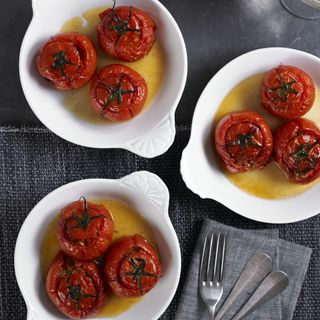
point(287, 92)
point(68, 59)
point(118, 93)
point(84, 230)
point(132, 267)
point(126, 33)
point(244, 141)
point(297, 150)
point(75, 287)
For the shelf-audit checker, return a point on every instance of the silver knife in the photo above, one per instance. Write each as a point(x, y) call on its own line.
point(256, 269)
point(271, 286)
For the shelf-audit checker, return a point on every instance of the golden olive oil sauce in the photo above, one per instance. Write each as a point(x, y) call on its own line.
point(127, 222)
point(150, 67)
point(270, 182)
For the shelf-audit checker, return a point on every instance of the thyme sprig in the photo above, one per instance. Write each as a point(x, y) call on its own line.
point(116, 93)
point(120, 26)
point(284, 89)
point(138, 271)
point(60, 62)
point(82, 221)
point(245, 140)
point(75, 293)
point(302, 154)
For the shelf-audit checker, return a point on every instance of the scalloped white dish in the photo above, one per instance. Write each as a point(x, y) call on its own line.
point(143, 191)
point(199, 167)
point(149, 134)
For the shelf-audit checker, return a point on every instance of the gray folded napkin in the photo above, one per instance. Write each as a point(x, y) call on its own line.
point(241, 245)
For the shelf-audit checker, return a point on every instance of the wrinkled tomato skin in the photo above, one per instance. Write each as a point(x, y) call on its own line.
point(65, 271)
point(304, 135)
point(80, 54)
point(298, 102)
point(132, 46)
point(131, 104)
point(230, 134)
point(118, 264)
point(89, 243)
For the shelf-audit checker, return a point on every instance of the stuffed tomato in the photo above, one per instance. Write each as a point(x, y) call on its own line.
point(132, 267)
point(68, 60)
point(287, 92)
point(244, 141)
point(297, 150)
point(84, 230)
point(118, 92)
point(126, 33)
point(75, 287)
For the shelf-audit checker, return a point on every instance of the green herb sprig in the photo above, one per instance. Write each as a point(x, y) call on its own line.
point(284, 89)
point(244, 141)
point(138, 271)
point(60, 62)
point(120, 26)
point(82, 221)
point(302, 154)
point(74, 292)
point(116, 93)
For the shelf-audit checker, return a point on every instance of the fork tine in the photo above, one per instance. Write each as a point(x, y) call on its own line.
point(203, 263)
point(212, 257)
point(211, 270)
point(220, 255)
point(223, 249)
point(216, 260)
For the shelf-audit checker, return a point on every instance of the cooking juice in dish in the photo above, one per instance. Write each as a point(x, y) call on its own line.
point(151, 67)
point(270, 182)
point(127, 222)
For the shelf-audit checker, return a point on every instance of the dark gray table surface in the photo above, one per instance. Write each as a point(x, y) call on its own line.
point(215, 31)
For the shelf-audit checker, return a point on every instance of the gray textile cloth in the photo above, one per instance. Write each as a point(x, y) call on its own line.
point(33, 162)
point(241, 245)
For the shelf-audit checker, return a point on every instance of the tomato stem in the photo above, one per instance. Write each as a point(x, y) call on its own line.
point(60, 61)
point(138, 271)
point(120, 26)
point(245, 140)
point(284, 89)
point(82, 221)
point(302, 154)
point(115, 93)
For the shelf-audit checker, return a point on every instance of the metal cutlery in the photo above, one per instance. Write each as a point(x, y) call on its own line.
point(271, 286)
point(256, 269)
point(211, 271)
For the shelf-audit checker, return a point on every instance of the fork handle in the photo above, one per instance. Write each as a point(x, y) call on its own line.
point(212, 312)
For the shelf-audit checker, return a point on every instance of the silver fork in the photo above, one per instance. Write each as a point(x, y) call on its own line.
point(211, 271)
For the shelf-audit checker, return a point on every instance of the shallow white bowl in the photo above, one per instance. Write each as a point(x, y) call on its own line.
point(145, 192)
point(150, 133)
point(199, 167)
